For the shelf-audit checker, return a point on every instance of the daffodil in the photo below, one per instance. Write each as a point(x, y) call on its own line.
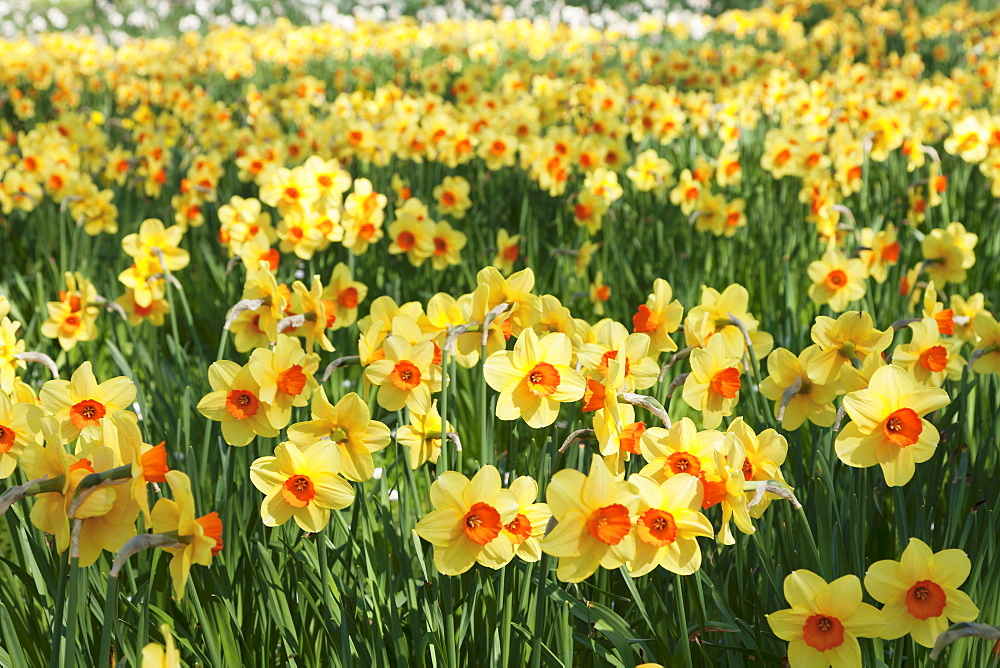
point(888, 426)
point(235, 402)
point(406, 376)
point(10, 348)
point(825, 621)
point(349, 426)
point(713, 386)
point(201, 536)
point(668, 523)
point(682, 449)
point(812, 400)
point(508, 251)
point(155, 655)
point(20, 426)
point(920, 592)
point(837, 280)
point(422, 437)
point(764, 453)
point(987, 351)
point(525, 531)
point(948, 253)
point(849, 338)
point(928, 357)
point(468, 520)
point(534, 378)
point(659, 317)
point(81, 402)
point(285, 376)
point(595, 515)
point(301, 483)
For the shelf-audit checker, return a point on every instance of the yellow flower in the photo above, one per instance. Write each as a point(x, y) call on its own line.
point(10, 347)
point(81, 402)
point(764, 453)
point(650, 171)
point(881, 250)
point(928, 357)
point(452, 197)
point(153, 236)
point(713, 316)
point(988, 349)
point(534, 378)
point(920, 592)
point(406, 375)
point(888, 428)
point(825, 621)
point(614, 342)
point(713, 386)
point(74, 317)
point(422, 437)
point(600, 292)
point(682, 449)
point(261, 284)
point(235, 402)
point(202, 536)
point(448, 244)
point(349, 425)
point(364, 213)
point(285, 377)
point(731, 463)
point(468, 520)
point(20, 426)
point(948, 253)
point(525, 531)
point(525, 308)
point(508, 251)
point(595, 515)
point(963, 315)
point(668, 522)
point(301, 483)
point(813, 400)
point(659, 317)
point(344, 293)
point(837, 280)
point(155, 655)
point(851, 337)
point(412, 232)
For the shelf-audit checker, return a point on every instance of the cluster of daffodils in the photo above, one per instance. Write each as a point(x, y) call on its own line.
point(89, 468)
point(919, 596)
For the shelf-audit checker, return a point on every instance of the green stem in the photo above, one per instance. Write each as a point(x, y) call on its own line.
point(69, 651)
point(57, 621)
point(324, 570)
point(682, 612)
point(486, 448)
point(812, 541)
point(110, 620)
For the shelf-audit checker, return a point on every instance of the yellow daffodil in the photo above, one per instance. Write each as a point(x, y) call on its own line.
point(155, 655)
point(235, 402)
point(713, 386)
point(285, 377)
point(534, 378)
point(422, 437)
point(987, 351)
point(837, 280)
point(81, 402)
point(887, 425)
point(920, 592)
point(668, 523)
point(525, 531)
point(825, 621)
point(948, 253)
point(406, 375)
point(301, 483)
point(928, 357)
point(20, 426)
point(849, 338)
point(468, 520)
point(812, 400)
point(595, 515)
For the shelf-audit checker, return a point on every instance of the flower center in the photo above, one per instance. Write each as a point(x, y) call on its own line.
point(610, 524)
point(822, 632)
point(683, 462)
point(926, 599)
point(348, 297)
point(903, 427)
point(644, 321)
point(747, 469)
point(519, 528)
point(630, 437)
point(440, 246)
point(405, 375)
point(482, 523)
point(242, 404)
point(543, 379)
point(405, 240)
point(154, 463)
point(657, 527)
point(448, 198)
point(298, 491)
point(86, 413)
point(726, 382)
point(836, 279)
point(292, 193)
point(934, 359)
point(212, 526)
point(292, 380)
point(7, 436)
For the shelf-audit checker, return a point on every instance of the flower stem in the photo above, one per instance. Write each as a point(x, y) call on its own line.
point(69, 651)
point(110, 620)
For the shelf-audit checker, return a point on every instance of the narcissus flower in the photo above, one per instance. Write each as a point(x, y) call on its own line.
point(344, 293)
point(920, 592)
point(596, 515)
point(235, 402)
point(668, 523)
point(285, 376)
point(528, 526)
point(812, 400)
point(837, 280)
point(422, 437)
point(534, 378)
point(682, 449)
point(713, 386)
point(81, 402)
point(10, 348)
point(659, 317)
point(987, 351)
point(849, 338)
point(508, 251)
point(20, 426)
point(301, 483)
point(888, 428)
point(347, 424)
point(406, 376)
point(948, 253)
point(825, 621)
point(714, 317)
point(155, 655)
point(452, 196)
point(468, 520)
point(764, 453)
point(928, 357)
point(201, 536)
